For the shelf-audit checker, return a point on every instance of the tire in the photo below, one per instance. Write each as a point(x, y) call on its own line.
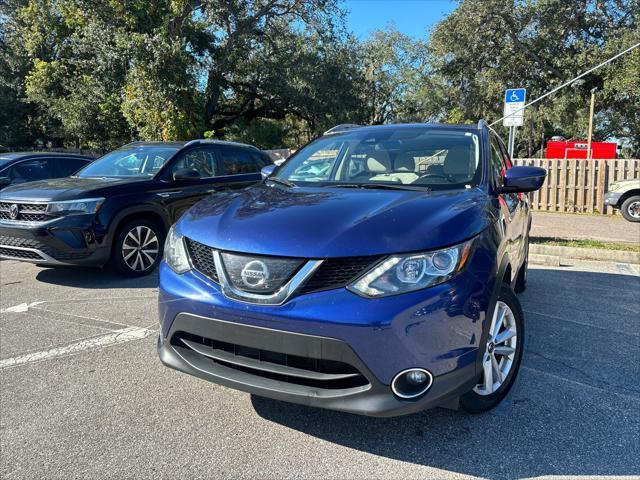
point(482, 397)
point(521, 281)
point(630, 209)
point(135, 252)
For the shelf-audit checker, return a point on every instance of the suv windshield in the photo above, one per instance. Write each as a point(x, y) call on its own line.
point(428, 157)
point(141, 161)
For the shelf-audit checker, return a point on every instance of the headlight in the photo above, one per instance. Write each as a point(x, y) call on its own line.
point(174, 252)
point(406, 273)
point(71, 207)
point(613, 187)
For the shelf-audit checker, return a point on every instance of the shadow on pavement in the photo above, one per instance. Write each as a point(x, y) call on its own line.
point(82, 277)
point(573, 411)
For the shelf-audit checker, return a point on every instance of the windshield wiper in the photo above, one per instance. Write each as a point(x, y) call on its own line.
point(281, 181)
point(382, 186)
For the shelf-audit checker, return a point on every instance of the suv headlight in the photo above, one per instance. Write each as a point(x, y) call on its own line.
point(75, 207)
point(613, 187)
point(175, 253)
point(407, 273)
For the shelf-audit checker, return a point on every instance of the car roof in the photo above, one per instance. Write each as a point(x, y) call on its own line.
point(14, 156)
point(142, 143)
point(197, 141)
point(393, 126)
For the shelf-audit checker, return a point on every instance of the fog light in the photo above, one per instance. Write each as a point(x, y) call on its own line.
point(411, 383)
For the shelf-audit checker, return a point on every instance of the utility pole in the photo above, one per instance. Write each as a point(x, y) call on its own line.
point(591, 109)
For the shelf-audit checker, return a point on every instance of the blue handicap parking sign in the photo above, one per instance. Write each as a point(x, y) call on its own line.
point(515, 95)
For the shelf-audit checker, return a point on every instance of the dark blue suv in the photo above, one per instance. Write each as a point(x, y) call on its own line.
point(373, 272)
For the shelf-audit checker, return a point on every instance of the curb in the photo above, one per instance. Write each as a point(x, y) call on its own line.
point(540, 253)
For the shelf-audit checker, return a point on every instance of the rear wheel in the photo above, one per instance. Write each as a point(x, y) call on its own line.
point(501, 356)
point(137, 248)
point(630, 209)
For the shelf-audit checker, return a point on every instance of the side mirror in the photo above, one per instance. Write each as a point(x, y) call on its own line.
point(523, 179)
point(267, 171)
point(186, 174)
point(4, 181)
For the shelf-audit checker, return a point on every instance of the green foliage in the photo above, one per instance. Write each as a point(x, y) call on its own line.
point(98, 73)
point(483, 48)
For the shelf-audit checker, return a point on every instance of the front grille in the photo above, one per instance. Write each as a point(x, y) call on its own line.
point(332, 273)
point(23, 254)
point(292, 369)
point(247, 272)
point(338, 272)
point(27, 212)
point(202, 259)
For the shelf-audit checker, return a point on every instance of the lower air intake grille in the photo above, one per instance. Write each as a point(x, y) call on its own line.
point(304, 371)
point(19, 254)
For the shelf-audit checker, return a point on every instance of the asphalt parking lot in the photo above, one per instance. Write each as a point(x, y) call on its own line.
point(83, 394)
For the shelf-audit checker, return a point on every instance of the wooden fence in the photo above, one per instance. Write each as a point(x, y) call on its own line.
point(578, 186)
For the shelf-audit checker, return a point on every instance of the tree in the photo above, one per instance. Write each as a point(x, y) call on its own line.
point(392, 64)
point(485, 46)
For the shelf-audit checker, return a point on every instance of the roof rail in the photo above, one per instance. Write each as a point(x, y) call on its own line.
point(199, 141)
point(342, 128)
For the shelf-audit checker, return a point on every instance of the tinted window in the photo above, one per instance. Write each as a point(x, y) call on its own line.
point(31, 170)
point(69, 166)
point(430, 157)
point(240, 160)
point(136, 161)
point(202, 160)
point(498, 167)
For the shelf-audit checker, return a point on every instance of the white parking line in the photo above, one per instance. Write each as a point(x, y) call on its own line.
point(116, 337)
point(23, 307)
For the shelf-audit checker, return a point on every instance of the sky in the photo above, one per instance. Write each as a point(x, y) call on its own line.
point(411, 17)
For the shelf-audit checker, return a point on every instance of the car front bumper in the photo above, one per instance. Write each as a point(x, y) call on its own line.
point(64, 241)
point(438, 329)
point(612, 199)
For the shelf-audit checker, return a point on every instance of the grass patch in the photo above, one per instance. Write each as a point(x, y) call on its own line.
point(561, 242)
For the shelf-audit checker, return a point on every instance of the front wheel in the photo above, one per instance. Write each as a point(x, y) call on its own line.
point(501, 355)
point(630, 209)
point(137, 249)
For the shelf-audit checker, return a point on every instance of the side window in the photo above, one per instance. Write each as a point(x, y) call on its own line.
point(497, 162)
point(31, 170)
point(68, 166)
point(201, 159)
point(505, 154)
point(237, 161)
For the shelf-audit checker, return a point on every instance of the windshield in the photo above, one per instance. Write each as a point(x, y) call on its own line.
point(141, 161)
point(428, 157)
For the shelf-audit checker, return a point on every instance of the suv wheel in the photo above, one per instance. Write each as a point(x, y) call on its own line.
point(630, 209)
point(501, 356)
point(137, 249)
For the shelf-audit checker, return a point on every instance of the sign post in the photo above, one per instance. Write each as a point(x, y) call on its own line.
point(514, 101)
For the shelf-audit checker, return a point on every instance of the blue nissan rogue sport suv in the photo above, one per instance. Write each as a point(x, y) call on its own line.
point(373, 272)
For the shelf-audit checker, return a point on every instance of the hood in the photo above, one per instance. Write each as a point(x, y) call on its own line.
point(58, 189)
point(335, 222)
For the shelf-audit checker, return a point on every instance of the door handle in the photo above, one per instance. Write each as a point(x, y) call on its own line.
point(167, 194)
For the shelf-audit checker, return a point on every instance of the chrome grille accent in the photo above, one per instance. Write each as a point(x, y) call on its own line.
point(28, 212)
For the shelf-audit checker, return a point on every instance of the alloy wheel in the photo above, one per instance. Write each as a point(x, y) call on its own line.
point(500, 350)
point(140, 248)
point(634, 209)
